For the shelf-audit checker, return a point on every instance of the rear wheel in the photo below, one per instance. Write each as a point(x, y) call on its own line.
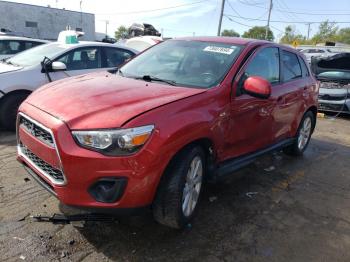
point(179, 191)
point(8, 109)
point(303, 136)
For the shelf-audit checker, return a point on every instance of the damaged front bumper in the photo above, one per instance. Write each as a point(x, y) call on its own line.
point(334, 97)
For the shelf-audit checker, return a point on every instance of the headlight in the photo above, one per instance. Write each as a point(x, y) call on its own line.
point(114, 142)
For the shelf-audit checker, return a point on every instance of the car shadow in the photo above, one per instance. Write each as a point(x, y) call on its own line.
point(230, 212)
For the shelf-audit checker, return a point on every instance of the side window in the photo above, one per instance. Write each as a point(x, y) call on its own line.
point(291, 66)
point(304, 68)
point(82, 58)
point(265, 64)
point(113, 57)
point(10, 47)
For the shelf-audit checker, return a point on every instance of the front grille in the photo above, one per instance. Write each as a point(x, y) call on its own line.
point(332, 97)
point(36, 131)
point(333, 107)
point(55, 174)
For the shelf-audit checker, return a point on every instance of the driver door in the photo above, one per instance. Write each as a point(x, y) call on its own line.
point(251, 121)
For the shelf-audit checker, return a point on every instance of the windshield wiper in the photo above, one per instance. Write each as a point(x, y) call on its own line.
point(149, 78)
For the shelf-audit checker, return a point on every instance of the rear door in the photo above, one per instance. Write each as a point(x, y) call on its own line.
point(288, 95)
point(252, 121)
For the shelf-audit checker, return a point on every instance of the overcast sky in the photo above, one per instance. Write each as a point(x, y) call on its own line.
point(200, 17)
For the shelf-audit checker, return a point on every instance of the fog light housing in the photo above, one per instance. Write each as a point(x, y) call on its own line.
point(108, 190)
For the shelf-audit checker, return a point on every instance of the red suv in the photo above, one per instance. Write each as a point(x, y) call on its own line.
point(150, 133)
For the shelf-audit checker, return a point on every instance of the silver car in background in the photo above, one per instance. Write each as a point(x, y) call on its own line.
point(25, 72)
point(11, 45)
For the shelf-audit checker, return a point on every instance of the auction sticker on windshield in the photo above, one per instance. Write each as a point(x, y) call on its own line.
point(218, 49)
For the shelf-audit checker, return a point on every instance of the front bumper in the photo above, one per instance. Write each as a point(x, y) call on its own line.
point(334, 100)
point(82, 168)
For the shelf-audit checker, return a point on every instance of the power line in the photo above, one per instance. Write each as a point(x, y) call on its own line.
point(280, 21)
point(154, 10)
point(229, 18)
point(245, 2)
point(293, 12)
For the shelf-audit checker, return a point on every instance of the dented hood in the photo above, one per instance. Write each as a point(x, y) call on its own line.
point(103, 100)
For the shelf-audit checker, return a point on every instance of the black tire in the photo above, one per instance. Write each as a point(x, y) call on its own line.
point(168, 203)
point(294, 149)
point(8, 110)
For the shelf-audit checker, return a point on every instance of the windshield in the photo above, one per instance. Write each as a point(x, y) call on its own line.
point(185, 63)
point(35, 55)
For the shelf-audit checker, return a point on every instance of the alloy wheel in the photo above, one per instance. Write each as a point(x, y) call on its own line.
point(192, 186)
point(304, 133)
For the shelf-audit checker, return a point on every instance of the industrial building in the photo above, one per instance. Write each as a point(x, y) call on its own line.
point(44, 22)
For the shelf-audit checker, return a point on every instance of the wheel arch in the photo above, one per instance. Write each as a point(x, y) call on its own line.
point(313, 109)
point(18, 91)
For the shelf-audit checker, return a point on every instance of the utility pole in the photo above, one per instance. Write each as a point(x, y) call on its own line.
point(308, 30)
point(268, 21)
point(107, 22)
point(221, 14)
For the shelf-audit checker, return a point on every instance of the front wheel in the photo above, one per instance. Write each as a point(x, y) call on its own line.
point(303, 136)
point(180, 188)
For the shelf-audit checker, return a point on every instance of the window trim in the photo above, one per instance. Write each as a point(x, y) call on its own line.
point(301, 60)
point(282, 66)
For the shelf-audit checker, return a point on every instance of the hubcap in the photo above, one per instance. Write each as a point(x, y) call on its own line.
point(304, 133)
point(192, 186)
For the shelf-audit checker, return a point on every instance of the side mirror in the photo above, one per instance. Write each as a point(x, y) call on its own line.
point(257, 86)
point(58, 66)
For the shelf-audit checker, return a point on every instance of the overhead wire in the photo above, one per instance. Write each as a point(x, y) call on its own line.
point(154, 10)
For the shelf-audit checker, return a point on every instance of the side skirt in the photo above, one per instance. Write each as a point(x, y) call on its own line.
point(229, 166)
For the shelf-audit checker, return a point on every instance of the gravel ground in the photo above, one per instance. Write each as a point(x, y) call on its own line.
point(277, 209)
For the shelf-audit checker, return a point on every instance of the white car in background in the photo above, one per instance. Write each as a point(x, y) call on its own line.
point(23, 73)
point(11, 45)
point(141, 43)
point(317, 52)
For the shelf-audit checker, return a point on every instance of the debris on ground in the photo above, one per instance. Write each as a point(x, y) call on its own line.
point(251, 194)
point(23, 218)
point(320, 115)
point(18, 238)
point(64, 254)
point(269, 169)
point(26, 179)
point(213, 198)
point(71, 242)
point(22, 257)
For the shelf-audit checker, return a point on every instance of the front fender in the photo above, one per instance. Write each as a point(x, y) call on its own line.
point(182, 122)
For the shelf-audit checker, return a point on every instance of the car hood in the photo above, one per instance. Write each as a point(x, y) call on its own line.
point(6, 68)
point(104, 100)
point(334, 68)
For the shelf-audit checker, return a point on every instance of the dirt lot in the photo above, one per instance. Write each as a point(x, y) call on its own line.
point(277, 209)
